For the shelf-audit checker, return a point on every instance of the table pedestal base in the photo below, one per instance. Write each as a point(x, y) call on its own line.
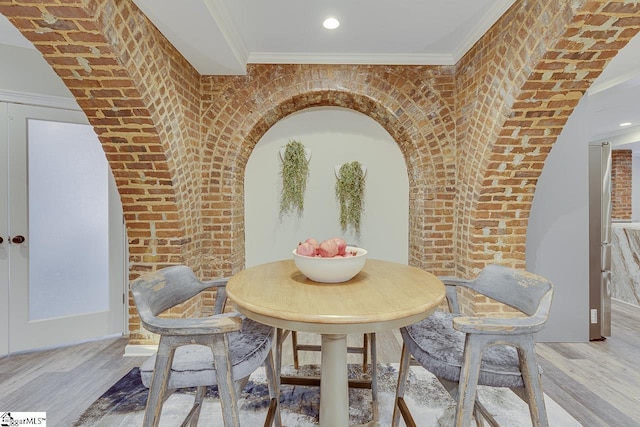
point(334, 384)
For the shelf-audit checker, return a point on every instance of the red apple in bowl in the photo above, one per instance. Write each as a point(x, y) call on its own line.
point(342, 245)
point(306, 249)
point(313, 242)
point(328, 249)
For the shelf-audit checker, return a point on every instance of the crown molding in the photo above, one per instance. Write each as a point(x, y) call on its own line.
point(348, 58)
point(228, 29)
point(609, 83)
point(39, 100)
point(488, 20)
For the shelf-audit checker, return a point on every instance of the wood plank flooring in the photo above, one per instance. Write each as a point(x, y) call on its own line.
point(597, 382)
point(62, 382)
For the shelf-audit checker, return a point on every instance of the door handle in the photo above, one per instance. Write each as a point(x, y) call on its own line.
point(17, 239)
point(1, 240)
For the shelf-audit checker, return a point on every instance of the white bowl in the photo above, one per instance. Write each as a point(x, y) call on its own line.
point(331, 270)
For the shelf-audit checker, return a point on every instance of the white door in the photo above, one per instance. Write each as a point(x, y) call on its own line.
point(64, 239)
point(4, 232)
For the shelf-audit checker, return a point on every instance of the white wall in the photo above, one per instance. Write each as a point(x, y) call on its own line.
point(334, 136)
point(557, 237)
point(27, 72)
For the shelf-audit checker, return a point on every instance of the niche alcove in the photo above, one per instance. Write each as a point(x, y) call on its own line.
point(334, 136)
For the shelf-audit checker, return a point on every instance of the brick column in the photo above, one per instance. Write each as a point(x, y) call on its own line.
point(621, 167)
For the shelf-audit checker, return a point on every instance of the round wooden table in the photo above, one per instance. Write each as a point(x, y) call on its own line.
point(384, 295)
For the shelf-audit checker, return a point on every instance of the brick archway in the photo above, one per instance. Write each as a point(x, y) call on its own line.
point(520, 85)
point(426, 141)
point(111, 58)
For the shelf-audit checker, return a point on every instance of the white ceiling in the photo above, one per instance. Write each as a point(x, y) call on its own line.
point(614, 98)
point(223, 36)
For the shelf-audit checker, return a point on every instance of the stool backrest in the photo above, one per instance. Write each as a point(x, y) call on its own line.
point(517, 288)
point(157, 292)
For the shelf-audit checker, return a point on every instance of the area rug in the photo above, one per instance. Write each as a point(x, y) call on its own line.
point(123, 404)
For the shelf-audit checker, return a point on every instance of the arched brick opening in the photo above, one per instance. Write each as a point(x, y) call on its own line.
point(102, 51)
point(122, 72)
point(256, 102)
point(519, 86)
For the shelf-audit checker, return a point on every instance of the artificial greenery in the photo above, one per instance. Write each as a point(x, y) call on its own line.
point(350, 195)
point(295, 170)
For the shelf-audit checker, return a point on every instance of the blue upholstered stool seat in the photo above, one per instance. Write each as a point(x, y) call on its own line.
point(439, 348)
point(193, 364)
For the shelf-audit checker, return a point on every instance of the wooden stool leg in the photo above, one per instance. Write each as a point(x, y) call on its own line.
point(468, 380)
point(533, 384)
point(294, 342)
point(227, 389)
point(158, 387)
point(365, 352)
point(197, 406)
point(281, 334)
point(273, 379)
point(374, 375)
point(399, 406)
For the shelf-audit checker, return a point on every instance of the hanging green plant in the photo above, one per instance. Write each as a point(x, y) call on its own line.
point(350, 195)
point(295, 171)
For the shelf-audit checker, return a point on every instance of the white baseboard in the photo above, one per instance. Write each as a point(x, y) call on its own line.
point(136, 350)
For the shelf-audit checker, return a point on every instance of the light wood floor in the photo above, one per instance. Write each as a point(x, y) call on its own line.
point(597, 382)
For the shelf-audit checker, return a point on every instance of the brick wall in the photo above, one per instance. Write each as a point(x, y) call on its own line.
point(621, 196)
point(414, 104)
point(474, 136)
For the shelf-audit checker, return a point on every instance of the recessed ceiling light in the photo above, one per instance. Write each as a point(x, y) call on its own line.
point(331, 23)
point(625, 124)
